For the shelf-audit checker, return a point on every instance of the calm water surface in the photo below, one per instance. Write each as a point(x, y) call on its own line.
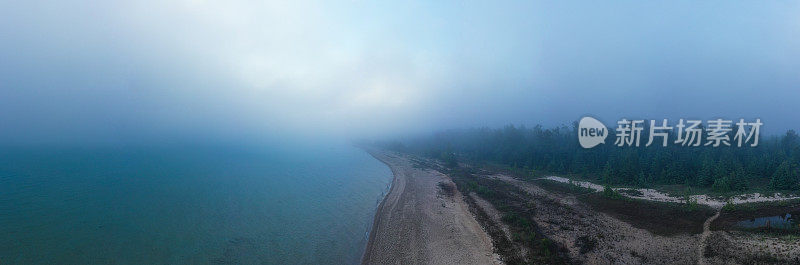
point(198, 205)
point(785, 221)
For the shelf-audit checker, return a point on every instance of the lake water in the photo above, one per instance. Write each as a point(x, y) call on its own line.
point(786, 221)
point(191, 205)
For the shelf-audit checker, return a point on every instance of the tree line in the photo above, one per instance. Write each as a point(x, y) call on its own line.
point(772, 165)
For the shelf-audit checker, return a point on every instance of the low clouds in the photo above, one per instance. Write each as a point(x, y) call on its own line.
point(138, 70)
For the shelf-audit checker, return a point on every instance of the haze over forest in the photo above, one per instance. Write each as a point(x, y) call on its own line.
point(137, 71)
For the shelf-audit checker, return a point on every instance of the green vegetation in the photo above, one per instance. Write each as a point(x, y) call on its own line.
point(731, 214)
point(610, 193)
point(773, 165)
point(517, 214)
point(660, 218)
point(763, 208)
point(785, 177)
point(729, 206)
point(483, 191)
point(691, 203)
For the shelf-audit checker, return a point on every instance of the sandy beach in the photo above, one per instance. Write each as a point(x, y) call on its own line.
point(424, 220)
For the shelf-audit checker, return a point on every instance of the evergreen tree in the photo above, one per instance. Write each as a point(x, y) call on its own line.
point(785, 177)
point(774, 161)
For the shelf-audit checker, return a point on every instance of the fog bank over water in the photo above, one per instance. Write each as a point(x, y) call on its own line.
point(139, 71)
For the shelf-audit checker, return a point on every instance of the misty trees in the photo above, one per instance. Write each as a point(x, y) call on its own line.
point(785, 177)
point(773, 164)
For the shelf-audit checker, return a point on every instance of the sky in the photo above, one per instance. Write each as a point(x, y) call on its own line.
point(128, 71)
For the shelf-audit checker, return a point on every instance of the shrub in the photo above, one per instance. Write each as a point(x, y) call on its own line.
point(610, 193)
point(729, 206)
point(691, 202)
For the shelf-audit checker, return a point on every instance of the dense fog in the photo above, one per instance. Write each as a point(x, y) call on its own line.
point(193, 70)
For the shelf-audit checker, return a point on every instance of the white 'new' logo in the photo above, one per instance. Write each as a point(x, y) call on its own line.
point(591, 132)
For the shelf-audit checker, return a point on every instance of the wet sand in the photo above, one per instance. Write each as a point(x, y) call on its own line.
point(424, 220)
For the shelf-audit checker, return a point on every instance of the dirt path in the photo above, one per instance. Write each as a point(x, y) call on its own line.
point(420, 223)
point(706, 232)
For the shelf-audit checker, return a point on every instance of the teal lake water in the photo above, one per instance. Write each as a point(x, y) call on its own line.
point(787, 221)
point(188, 205)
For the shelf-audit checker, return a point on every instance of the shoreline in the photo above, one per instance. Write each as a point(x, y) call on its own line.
point(377, 217)
point(378, 204)
point(424, 219)
point(419, 222)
